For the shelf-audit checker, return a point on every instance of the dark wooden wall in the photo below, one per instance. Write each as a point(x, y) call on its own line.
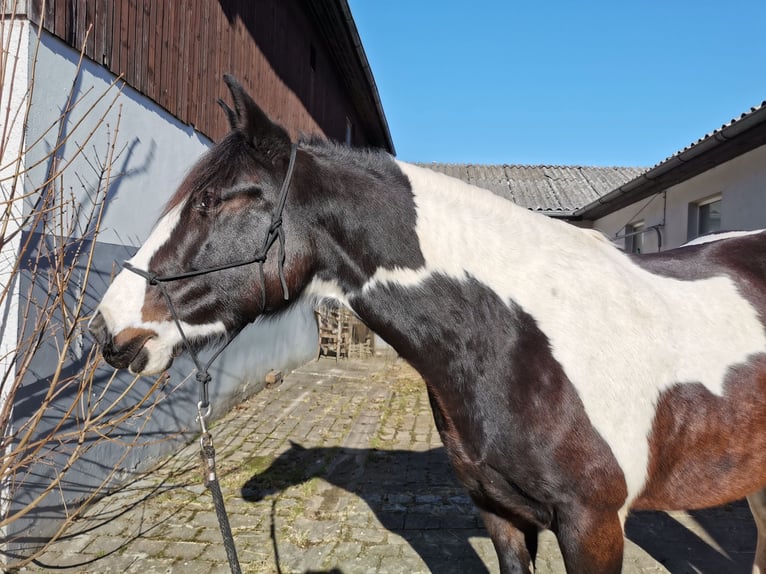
point(176, 51)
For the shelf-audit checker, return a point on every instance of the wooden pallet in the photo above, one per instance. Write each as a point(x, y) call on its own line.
point(342, 335)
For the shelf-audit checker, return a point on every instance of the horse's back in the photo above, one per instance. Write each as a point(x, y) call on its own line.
point(715, 441)
point(741, 256)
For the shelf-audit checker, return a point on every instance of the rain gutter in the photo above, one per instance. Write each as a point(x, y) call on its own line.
point(732, 140)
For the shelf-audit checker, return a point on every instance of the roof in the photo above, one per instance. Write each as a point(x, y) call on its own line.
point(732, 139)
point(335, 23)
point(551, 189)
point(578, 192)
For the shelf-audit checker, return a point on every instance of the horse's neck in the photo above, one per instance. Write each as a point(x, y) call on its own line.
point(409, 259)
point(401, 229)
point(363, 220)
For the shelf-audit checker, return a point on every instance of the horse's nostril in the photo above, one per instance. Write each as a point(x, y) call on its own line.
point(97, 328)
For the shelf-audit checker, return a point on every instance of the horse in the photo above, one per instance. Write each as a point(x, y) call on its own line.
point(570, 382)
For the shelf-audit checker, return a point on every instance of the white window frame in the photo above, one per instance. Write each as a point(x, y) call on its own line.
point(693, 228)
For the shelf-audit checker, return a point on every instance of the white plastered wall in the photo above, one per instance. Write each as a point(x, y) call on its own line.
point(14, 36)
point(741, 183)
point(154, 149)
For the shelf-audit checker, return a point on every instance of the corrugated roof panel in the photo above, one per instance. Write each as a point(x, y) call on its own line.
point(731, 122)
point(491, 177)
point(457, 170)
point(605, 180)
point(554, 188)
point(557, 188)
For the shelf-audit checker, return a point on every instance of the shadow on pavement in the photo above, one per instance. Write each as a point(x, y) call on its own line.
point(682, 548)
point(415, 495)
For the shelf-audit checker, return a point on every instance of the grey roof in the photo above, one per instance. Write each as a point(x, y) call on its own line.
point(553, 189)
point(579, 192)
point(719, 132)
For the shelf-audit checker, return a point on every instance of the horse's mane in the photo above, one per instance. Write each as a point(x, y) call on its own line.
point(371, 160)
point(224, 164)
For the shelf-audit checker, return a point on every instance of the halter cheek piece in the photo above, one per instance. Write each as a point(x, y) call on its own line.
point(274, 233)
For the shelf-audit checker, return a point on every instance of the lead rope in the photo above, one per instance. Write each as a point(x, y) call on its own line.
point(274, 233)
point(210, 478)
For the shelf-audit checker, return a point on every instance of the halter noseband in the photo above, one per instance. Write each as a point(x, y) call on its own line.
point(274, 233)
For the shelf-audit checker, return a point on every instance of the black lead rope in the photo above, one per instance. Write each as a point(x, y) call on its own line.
point(274, 233)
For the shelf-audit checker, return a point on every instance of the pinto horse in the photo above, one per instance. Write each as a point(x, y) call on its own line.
point(570, 382)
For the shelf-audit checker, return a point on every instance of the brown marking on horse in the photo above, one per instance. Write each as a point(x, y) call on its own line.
point(696, 443)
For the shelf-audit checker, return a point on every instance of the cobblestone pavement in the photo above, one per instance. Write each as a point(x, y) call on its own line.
point(340, 470)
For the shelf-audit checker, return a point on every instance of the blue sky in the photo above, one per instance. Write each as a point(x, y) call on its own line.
point(555, 82)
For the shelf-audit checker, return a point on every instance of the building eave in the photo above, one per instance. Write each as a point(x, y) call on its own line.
point(336, 24)
point(733, 139)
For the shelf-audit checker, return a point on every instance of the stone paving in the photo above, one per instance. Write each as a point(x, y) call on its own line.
point(340, 470)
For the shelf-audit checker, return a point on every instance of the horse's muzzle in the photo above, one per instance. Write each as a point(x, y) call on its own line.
point(98, 329)
point(125, 350)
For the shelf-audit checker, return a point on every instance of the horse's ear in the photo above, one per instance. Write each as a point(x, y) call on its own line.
point(231, 115)
point(248, 118)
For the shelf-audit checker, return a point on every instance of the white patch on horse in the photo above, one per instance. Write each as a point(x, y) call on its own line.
point(709, 238)
point(621, 333)
point(122, 303)
point(319, 289)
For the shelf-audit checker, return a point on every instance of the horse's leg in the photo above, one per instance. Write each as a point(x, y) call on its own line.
point(757, 502)
point(591, 540)
point(515, 543)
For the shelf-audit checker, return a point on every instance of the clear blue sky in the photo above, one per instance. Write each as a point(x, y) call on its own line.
point(557, 82)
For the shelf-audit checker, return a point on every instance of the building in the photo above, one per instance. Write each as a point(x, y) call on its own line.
point(142, 98)
point(716, 183)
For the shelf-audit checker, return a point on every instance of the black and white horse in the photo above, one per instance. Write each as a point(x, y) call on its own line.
point(570, 382)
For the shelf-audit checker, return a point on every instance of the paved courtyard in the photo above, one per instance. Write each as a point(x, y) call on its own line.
point(340, 470)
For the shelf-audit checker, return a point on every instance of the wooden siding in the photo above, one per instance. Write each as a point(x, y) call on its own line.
point(176, 52)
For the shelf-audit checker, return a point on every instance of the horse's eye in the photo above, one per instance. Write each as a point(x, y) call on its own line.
point(207, 202)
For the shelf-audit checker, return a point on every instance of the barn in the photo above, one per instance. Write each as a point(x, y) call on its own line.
point(118, 97)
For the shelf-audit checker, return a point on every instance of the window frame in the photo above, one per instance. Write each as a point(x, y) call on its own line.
point(695, 213)
point(634, 236)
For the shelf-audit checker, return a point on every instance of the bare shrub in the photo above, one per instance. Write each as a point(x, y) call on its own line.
point(48, 238)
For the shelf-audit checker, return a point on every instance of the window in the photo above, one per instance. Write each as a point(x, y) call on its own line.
point(709, 217)
point(634, 237)
point(704, 217)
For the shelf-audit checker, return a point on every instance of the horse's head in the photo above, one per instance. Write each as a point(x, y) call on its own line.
point(225, 212)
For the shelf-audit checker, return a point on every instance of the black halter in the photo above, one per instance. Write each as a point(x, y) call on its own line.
point(274, 233)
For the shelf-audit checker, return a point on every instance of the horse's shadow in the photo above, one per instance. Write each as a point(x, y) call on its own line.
point(715, 540)
point(415, 495)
